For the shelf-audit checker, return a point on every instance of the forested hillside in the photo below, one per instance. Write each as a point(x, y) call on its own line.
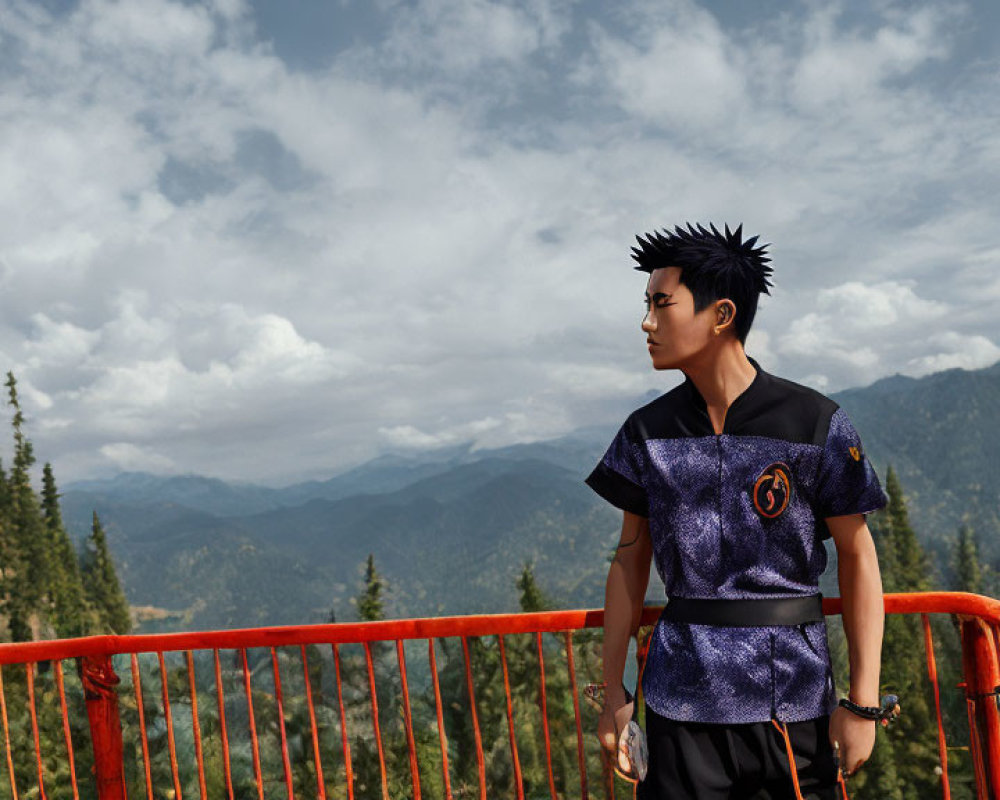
point(49, 588)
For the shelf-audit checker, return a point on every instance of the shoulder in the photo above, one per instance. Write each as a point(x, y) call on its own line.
point(811, 409)
point(661, 418)
point(802, 413)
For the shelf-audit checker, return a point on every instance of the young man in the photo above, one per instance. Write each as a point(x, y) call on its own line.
point(730, 482)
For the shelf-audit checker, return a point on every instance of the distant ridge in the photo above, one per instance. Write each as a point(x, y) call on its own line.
point(450, 529)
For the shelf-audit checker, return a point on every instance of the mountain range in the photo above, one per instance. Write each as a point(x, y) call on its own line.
point(450, 530)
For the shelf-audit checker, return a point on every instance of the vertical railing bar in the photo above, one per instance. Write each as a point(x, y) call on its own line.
point(983, 673)
point(933, 677)
point(977, 758)
point(137, 686)
point(344, 741)
point(411, 745)
point(442, 737)
point(480, 761)
point(970, 688)
point(545, 714)
point(571, 666)
point(375, 723)
point(518, 778)
point(255, 746)
point(223, 733)
point(6, 736)
point(29, 670)
point(196, 726)
point(67, 733)
point(285, 762)
point(169, 717)
point(320, 787)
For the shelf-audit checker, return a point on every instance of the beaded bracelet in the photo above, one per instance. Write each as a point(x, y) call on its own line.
point(884, 715)
point(868, 712)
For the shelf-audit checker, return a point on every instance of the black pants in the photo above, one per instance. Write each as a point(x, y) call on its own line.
point(706, 761)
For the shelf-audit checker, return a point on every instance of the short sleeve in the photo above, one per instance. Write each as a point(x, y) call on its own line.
point(618, 476)
point(846, 482)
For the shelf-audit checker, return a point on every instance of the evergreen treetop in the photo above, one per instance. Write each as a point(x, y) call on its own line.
point(101, 583)
point(370, 600)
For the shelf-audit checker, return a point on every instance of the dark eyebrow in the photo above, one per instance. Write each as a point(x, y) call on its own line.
point(659, 296)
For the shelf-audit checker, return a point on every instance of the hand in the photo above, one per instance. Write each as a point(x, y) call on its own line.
point(856, 736)
point(610, 724)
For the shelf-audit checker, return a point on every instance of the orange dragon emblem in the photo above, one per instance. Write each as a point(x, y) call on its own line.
point(772, 490)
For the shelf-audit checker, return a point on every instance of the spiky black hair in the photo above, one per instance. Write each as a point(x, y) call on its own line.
point(713, 266)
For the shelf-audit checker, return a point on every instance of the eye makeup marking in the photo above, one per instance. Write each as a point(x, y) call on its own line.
point(659, 299)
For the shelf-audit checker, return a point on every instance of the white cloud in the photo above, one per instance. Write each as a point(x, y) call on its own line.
point(955, 350)
point(127, 457)
point(683, 72)
point(212, 262)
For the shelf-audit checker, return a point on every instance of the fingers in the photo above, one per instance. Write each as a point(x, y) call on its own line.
point(841, 760)
point(624, 762)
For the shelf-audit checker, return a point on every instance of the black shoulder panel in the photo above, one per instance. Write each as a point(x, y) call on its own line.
point(776, 408)
point(787, 410)
point(669, 416)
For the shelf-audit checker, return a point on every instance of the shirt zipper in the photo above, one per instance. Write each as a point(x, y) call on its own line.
point(718, 443)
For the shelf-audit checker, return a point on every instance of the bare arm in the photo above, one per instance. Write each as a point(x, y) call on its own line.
point(864, 619)
point(863, 611)
point(628, 578)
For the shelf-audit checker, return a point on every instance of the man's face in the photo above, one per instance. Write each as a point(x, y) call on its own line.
point(674, 333)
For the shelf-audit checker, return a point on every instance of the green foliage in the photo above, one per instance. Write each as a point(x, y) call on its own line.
point(28, 576)
point(968, 569)
point(101, 583)
point(70, 615)
point(532, 597)
point(370, 599)
point(42, 583)
point(905, 762)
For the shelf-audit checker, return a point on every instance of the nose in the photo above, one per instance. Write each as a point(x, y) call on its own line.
point(648, 322)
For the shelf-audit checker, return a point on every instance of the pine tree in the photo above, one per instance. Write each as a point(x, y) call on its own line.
point(967, 567)
point(65, 583)
point(101, 583)
point(532, 598)
point(368, 780)
point(30, 584)
point(10, 559)
point(912, 565)
point(523, 667)
point(904, 670)
point(370, 599)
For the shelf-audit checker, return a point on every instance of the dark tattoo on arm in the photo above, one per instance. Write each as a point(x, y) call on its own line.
point(624, 544)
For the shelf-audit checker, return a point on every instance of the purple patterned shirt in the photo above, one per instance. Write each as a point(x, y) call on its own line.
point(739, 515)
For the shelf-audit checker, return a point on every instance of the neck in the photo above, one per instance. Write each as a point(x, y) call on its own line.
point(723, 377)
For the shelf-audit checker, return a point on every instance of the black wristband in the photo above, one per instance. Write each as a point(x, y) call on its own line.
point(873, 713)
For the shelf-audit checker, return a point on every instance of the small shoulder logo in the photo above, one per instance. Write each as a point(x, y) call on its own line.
point(772, 490)
point(855, 453)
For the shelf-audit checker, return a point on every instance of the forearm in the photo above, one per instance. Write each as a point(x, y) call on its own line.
point(621, 615)
point(863, 614)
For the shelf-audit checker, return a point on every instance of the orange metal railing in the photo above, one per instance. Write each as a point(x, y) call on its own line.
point(162, 737)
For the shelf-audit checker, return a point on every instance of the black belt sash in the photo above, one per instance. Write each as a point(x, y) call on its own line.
point(745, 613)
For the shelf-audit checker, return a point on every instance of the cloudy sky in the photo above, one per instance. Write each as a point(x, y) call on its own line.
point(268, 240)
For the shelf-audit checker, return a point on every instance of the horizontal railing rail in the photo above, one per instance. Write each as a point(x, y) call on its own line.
point(187, 717)
point(986, 608)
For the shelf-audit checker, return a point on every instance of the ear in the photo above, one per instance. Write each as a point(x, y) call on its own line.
point(725, 313)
